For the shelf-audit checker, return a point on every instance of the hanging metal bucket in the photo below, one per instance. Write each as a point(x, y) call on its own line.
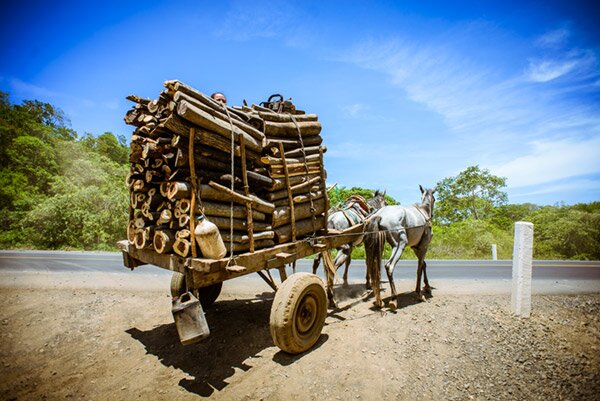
point(189, 319)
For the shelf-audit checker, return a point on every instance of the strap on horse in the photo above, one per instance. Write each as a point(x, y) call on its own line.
point(427, 219)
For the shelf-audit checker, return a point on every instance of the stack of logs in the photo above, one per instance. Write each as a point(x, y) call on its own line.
point(181, 168)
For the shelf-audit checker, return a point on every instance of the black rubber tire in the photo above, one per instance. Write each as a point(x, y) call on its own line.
point(206, 295)
point(298, 313)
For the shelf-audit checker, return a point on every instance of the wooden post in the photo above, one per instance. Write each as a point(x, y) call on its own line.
point(330, 274)
point(521, 271)
point(282, 274)
point(289, 191)
point(247, 193)
point(324, 189)
point(193, 180)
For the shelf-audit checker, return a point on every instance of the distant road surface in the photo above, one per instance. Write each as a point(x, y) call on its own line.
point(55, 261)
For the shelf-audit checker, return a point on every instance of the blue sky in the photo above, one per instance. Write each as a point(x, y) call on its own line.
point(408, 92)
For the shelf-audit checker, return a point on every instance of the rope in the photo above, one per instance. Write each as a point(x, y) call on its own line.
point(232, 150)
point(337, 195)
point(312, 205)
point(308, 239)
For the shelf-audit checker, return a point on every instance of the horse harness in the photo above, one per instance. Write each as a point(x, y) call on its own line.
point(355, 209)
point(427, 219)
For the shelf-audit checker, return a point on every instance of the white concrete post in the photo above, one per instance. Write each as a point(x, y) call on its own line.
point(494, 252)
point(521, 270)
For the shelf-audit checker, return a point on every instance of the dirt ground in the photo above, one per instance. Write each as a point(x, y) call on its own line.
point(92, 337)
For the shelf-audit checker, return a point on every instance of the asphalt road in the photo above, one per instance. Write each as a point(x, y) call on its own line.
point(54, 261)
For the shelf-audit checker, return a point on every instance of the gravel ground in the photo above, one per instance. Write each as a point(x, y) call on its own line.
point(119, 342)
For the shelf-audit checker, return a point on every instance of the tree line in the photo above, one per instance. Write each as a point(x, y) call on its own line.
point(59, 190)
point(62, 190)
point(472, 213)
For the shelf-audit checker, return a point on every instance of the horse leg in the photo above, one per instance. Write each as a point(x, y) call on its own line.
point(348, 260)
point(398, 241)
point(418, 294)
point(341, 257)
point(423, 249)
point(420, 251)
point(427, 287)
point(368, 280)
point(316, 262)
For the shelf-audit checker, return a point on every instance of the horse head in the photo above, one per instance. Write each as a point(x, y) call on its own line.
point(427, 199)
point(377, 201)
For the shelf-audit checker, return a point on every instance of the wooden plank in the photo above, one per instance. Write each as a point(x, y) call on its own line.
point(281, 259)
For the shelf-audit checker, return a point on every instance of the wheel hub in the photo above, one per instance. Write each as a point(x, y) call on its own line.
point(307, 314)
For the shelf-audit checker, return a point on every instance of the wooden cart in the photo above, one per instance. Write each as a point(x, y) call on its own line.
point(300, 305)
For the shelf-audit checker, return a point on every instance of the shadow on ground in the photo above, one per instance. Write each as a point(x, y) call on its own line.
point(349, 296)
point(239, 330)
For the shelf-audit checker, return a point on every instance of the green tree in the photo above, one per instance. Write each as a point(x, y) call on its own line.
point(565, 232)
point(473, 192)
point(56, 192)
point(109, 145)
point(468, 239)
point(504, 216)
point(35, 159)
point(339, 194)
point(88, 206)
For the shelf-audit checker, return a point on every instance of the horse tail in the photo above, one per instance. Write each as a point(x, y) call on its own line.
point(374, 243)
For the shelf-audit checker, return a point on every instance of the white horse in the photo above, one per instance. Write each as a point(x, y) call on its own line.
point(399, 226)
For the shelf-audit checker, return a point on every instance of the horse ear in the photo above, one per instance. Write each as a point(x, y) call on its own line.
point(433, 190)
point(421, 188)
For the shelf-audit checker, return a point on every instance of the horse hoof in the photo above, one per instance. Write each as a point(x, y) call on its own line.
point(421, 298)
point(378, 304)
point(392, 305)
point(345, 284)
point(427, 290)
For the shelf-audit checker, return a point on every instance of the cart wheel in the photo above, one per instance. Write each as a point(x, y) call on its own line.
point(298, 313)
point(206, 295)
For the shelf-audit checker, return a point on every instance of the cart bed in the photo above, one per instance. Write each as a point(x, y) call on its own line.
point(211, 271)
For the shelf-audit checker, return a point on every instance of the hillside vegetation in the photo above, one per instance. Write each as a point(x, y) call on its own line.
point(62, 190)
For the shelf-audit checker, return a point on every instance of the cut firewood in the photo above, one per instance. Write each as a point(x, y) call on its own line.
point(183, 163)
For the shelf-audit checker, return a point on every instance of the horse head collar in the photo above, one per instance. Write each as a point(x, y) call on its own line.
point(377, 201)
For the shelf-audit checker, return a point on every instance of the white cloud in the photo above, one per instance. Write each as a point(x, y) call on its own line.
point(246, 21)
point(553, 38)
point(356, 109)
point(27, 90)
point(548, 70)
point(574, 185)
point(552, 160)
point(577, 65)
point(496, 111)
